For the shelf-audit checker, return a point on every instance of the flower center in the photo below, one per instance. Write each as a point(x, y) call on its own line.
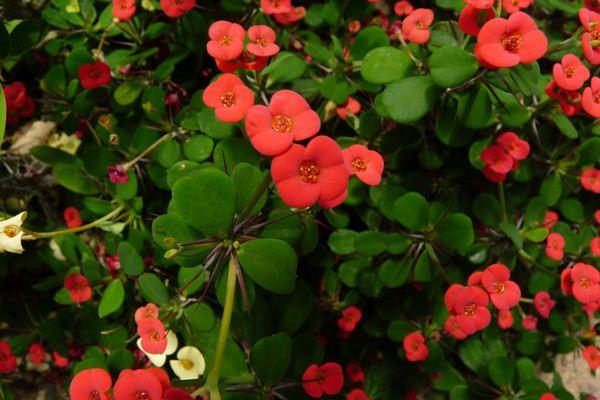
point(155, 335)
point(499, 287)
point(470, 309)
point(584, 282)
point(309, 172)
point(227, 99)
point(421, 25)
point(512, 42)
point(12, 230)
point(569, 72)
point(123, 5)
point(261, 42)
point(94, 395)
point(142, 396)
point(514, 2)
point(415, 346)
point(187, 364)
point(225, 40)
point(597, 97)
point(281, 123)
point(94, 74)
point(359, 165)
point(595, 32)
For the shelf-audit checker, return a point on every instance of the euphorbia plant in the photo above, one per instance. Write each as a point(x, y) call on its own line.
point(252, 200)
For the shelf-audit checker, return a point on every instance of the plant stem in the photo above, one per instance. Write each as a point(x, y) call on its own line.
point(502, 202)
point(212, 382)
point(154, 145)
point(45, 235)
point(262, 187)
point(526, 257)
point(437, 264)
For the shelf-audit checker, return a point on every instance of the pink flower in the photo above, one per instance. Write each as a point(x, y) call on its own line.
point(117, 174)
point(586, 283)
point(543, 303)
point(570, 74)
point(229, 97)
point(504, 293)
point(227, 40)
point(415, 27)
point(505, 319)
point(529, 322)
point(262, 41)
point(366, 164)
point(555, 245)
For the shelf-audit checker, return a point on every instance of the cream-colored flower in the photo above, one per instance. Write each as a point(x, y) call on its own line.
point(148, 5)
point(189, 364)
point(64, 142)
point(158, 360)
point(11, 233)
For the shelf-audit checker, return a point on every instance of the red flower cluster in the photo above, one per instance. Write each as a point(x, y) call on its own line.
point(555, 245)
point(583, 282)
point(79, 288)
point(123, 9)
point(472, 18)
point(18, 104)
point(36, 353)
point(510, 42)
point(325, 379)
point(72, 217)
point(93, 76)
point(415, 347)
point(590, 180)
point(504, 293)
point(595, 246)
point(589, 40)
point(592, 357)
point(229, 97)
point(504, 156)
point(283, 11)
point(150, 329)
point(226, 46)
point(8, 361)
point(351, 316)
point(176, 8)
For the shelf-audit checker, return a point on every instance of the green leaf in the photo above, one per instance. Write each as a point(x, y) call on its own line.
point(4, 41)
point(153, 289)
point(270, 357)
point(200, 316)
point(153, 103)
point(409, 99)
point(412, 211)
point(564, 125)
point(198, 148)
point(24, 36)
point(206, 200)
point(384, 65)
point(450, 66)
point(475, 108)
point(112, 298)
point(247, 179)
point(336, 88)
point(487, 209)
point(456, 232)
point(501, 370)
point(367, 39)
point(286, 67)
point(342, 241)
point(370, 243)
point(128, 92)
point(2, 111)
point(78, 57)
point(472, 353)
point(131, 262)
point(271, 263)
point(73, 179)
point(551, 189)
point(394, 273)
point(511, 231)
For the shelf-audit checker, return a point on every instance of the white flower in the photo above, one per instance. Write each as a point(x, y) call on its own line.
point(189, 364)
point(64, 142)
point(159, 359)
point(11, 234)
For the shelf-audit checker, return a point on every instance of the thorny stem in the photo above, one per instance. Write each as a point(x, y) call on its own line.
point(45, 235)
point(154, 145)
point(212, 382)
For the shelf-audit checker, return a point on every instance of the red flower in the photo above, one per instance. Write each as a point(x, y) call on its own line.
point(354, 26)
point(402, 8)
point(595, 246)
point(555, 245)
point(272, 129)
point(366, 164)
point(550, 219)
point(117, 174)
point(517, 148)
point(590, 100)
point(262, 41)
point(566, 281)
point(570, 102)
point(498, 159)
point(592, 356)
point(136, 385)
point(570, 74)
point(469, 304)
point(590, 180)
point(60, 361)
point(294, 15)
point(552, 90)
point(161, 375)
point(146, 313)
point(480, 4)
point(529, 322)
point(543, 303)
point(509, 42)
point(593, 5)
point(329, 204)
point(36, 353)
point(415, 27)
point(504, 293)
point(351, 316)
point(72, 218)
point(79, 288)
point(586, 283)
point(451, 326)
point(415, 347)
point(94, 75)
point(350, 107)
point(276, 6)
point(326, 379)
point(177, 394)
point(153, 335)
point(229, 97)
point(597, 216)
point(474, 279)
point(355, 373)
point(492, 175)
point(357, 394)
point(176, 8)
point(505, 319)
point(512, 6)
point(548, 396)
point(227, 40)
point(471, 19)
point(123, 9)
point(89, 384)
point(8, 362)
point(305, 175)
point(591, 22)
point(18, 104)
